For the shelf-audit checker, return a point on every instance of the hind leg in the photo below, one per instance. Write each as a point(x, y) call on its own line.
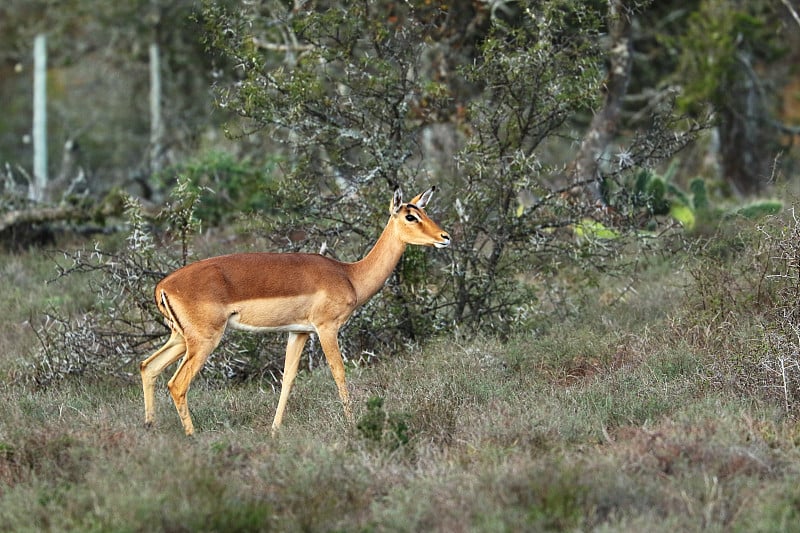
point(197, 352)
point(151, 367)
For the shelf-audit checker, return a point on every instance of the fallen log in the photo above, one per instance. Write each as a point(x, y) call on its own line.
point(41, 215)
point(33, 223)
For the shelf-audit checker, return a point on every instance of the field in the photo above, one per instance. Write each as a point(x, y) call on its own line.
point(657, 408)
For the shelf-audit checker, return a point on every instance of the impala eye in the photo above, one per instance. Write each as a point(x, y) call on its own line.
point(411, 218)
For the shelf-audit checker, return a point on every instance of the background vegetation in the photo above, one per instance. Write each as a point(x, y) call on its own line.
point(610, 344)
point(668, 407)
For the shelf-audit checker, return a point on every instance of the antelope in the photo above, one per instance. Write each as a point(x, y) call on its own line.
point(298, 293)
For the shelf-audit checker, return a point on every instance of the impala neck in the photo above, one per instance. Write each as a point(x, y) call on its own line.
point(369, 274)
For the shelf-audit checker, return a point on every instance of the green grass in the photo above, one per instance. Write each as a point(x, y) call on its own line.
point(626, 417)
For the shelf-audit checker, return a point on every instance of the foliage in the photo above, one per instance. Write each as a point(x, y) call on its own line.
point(724, 48)
point(621, 424)
point(537, 76)
point(759, 209)
point(719, 35)
point(781, 327)
point(512, 213)
point(99, 80)
point(389, 430)
point(347, 82)
point(742, 303)
point(226, 187)
point(121, 320)
point(654, 196)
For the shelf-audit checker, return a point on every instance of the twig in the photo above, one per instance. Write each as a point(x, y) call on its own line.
point(792, 11)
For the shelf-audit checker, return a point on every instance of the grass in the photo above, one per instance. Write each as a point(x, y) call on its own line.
point(627, 417)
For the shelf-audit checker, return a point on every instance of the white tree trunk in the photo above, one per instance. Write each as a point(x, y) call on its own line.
point(156, 124)
point(36, 189)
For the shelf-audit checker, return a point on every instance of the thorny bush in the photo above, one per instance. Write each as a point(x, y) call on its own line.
point(358, 104)
point(742, 307)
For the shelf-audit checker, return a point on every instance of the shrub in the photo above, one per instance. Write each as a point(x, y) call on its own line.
point(360, 104)
point(227, 187)
point(385, 430)
point(743, 307)
point(781, 325)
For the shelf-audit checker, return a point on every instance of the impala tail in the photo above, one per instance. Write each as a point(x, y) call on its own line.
point(166, 309)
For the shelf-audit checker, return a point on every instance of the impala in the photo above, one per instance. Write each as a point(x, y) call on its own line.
point(294, 292)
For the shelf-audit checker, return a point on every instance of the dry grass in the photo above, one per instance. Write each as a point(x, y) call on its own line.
point(630, 416)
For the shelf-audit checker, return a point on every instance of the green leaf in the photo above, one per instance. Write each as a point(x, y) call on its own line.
point(594, 230)
point(760, 209)
point(683, 214)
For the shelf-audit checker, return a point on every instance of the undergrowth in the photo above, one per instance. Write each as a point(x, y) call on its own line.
point(670, 406)
point(742, 308)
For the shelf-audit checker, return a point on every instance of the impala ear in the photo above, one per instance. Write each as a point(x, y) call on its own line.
point(421, 200)
point(397, 202)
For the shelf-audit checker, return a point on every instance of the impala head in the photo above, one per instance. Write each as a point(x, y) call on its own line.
point(413, 225)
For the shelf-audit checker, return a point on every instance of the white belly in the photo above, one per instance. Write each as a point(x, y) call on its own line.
point(272, 314)
point(234, 323)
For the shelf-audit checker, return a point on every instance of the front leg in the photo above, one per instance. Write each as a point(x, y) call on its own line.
point(328, 339)
point(293, 350)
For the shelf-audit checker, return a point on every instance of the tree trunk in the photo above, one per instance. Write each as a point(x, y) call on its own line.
point(36, 189)
point(38, 215)
point(585, 167)
point(156, 123)
point(745, 138)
